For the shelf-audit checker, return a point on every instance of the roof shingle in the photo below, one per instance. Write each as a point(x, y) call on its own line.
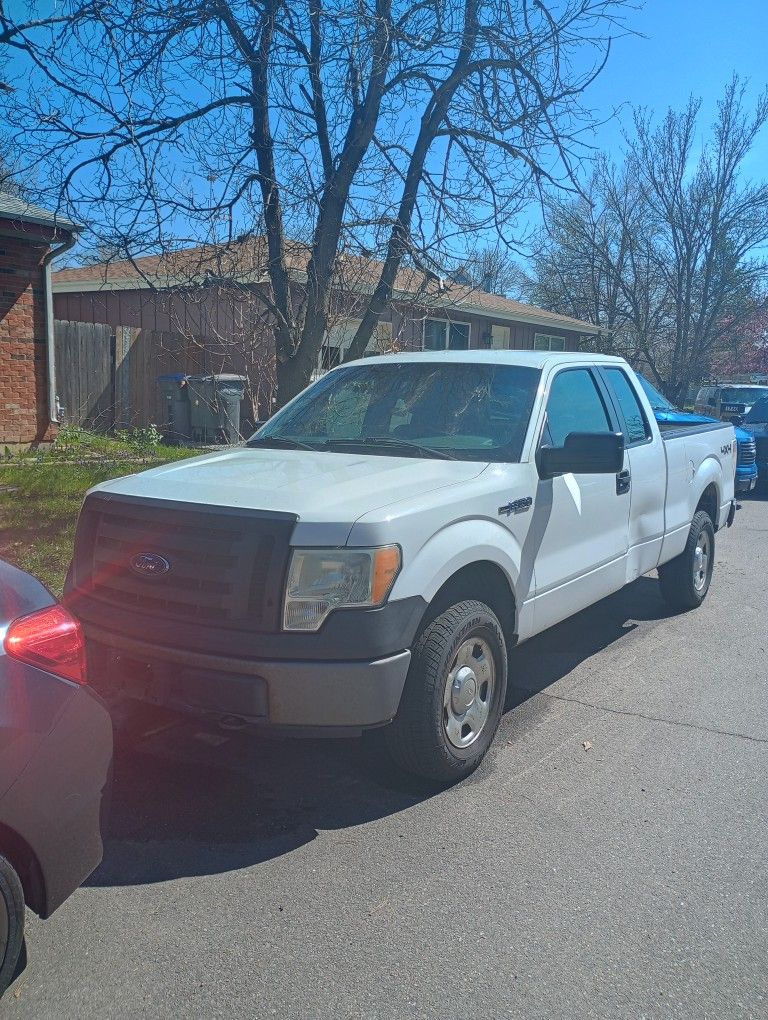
point(14, 208)
point(246, 261)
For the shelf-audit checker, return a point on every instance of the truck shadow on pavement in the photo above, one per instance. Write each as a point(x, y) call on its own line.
point(194, 801)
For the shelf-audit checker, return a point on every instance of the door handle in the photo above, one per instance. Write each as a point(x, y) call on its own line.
point(623, 482)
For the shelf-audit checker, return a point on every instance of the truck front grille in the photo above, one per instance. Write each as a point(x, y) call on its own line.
point(747, 453)
point(213, 566)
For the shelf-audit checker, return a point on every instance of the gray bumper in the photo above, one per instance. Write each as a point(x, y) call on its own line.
point(325, 694)
point(355, 694)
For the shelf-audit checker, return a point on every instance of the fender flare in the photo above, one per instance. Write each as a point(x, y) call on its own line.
point(709, 472)
point(460, 544)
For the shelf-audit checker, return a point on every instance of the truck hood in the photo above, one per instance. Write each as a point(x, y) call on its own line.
point(316, 486)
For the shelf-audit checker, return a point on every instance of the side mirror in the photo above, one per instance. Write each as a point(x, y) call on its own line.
point(738, 419)
point(584, 453)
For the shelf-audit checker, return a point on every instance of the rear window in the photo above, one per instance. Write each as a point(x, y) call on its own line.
point(634, 418)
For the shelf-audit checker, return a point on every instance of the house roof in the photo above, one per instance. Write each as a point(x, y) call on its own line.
point(245, 262)
point(14, 208)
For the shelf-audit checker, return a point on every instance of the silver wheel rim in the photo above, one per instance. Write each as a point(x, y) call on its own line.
point(701, 559)
point(468, 694)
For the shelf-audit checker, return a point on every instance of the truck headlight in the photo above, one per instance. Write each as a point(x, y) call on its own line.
point(321, 580)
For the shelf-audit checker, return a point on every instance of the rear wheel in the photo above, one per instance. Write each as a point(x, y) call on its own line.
point(11, 922)
point(454, 695)
point(685, 580)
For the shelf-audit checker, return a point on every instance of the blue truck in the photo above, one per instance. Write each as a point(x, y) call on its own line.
point(667, 414)
point(756, 424)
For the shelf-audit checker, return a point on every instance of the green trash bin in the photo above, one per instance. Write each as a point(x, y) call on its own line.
point(177, 426)
point(215, 407)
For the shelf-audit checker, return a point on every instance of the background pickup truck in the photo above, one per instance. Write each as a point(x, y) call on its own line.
point(377, 548)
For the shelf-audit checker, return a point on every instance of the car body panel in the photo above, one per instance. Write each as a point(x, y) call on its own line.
point(55, 757)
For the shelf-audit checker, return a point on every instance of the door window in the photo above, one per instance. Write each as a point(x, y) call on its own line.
point(632, 412)
point(575, 405)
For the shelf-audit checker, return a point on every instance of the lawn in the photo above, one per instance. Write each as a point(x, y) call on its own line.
point(41, 493)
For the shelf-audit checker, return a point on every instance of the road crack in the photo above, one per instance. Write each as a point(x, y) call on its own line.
point(654, 718)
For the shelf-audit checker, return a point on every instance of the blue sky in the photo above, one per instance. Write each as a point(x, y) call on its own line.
point(682, 48)
point(686, 46)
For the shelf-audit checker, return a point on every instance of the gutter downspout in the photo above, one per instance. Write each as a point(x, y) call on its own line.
point(50, 344)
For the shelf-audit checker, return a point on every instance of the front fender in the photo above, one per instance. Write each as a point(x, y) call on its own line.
point(455, 546)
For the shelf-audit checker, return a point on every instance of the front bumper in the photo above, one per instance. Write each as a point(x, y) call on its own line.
point(747, 484)
point(326, 695)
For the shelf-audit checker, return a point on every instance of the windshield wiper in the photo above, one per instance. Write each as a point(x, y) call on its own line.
point(390, 442)
point(285, 442)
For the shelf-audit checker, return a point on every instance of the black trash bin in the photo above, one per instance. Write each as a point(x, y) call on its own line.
point(177, 428)
point(215, 407)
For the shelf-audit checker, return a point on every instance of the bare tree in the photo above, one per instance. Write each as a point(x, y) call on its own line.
point(384, 128)
point(493, 269)
point(663, 253)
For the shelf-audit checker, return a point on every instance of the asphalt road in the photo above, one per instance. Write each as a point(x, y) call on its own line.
point(296, 880)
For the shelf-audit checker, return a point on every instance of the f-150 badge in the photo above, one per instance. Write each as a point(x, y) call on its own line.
point(519, 506)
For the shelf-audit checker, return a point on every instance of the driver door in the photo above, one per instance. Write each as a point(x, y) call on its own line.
point(585, 535)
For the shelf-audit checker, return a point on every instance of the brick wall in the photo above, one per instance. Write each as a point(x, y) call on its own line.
point(23, 375)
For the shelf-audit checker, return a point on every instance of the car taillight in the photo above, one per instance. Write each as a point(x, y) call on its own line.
point(50, 639)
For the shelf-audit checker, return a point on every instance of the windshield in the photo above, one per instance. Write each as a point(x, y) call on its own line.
point(407, 408)
point(742, 394)
point(759, 413)
point(655, 399)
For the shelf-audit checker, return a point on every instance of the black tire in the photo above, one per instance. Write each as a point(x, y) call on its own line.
point(418, 740)
point(11, 922)
point(679, 584)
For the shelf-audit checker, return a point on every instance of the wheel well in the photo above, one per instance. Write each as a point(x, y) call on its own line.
point(25, 864)
point(709, 503)
point(486, 582)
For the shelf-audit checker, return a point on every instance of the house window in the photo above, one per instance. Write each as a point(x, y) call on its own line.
point(441, 335)
point(500, 337)
point(339, 337)
point(546, 342)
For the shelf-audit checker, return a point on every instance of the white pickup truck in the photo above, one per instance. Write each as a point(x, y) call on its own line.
point(372, 554)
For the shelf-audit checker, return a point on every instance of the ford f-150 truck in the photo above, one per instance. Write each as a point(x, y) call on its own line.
point(372, 554)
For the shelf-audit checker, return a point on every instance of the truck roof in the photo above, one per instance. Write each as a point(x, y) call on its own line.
point(532, 359)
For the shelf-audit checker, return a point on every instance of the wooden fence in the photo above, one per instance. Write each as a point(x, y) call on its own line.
point(106, 377)
point(85, 373)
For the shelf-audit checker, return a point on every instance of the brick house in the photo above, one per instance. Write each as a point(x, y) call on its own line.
point(181, 311)
point(30, 237)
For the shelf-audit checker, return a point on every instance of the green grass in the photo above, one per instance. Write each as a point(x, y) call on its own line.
point(41, 494)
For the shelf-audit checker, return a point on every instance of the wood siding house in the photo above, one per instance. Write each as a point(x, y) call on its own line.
point(201, 310)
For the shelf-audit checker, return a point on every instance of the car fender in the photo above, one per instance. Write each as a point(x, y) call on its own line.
point(459, 545)
point(709, 472)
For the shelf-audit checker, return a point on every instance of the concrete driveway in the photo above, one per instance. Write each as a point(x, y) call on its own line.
point(609, 860)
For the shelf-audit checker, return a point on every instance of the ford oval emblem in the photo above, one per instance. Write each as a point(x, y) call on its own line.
point(149, 564)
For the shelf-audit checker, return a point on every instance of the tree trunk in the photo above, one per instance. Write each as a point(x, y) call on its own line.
point(294, 374)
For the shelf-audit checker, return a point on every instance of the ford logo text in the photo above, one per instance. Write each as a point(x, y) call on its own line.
point(149, 564)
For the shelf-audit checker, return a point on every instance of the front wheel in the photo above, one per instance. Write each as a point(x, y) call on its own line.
point(454, 695)
point(11, 922)
point(685, 580)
